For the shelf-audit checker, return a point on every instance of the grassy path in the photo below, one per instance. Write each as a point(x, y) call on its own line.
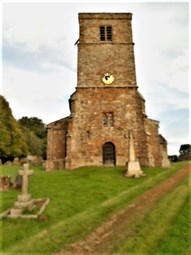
point(127, 224)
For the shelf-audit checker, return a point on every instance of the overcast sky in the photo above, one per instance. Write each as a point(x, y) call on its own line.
point(40, 59)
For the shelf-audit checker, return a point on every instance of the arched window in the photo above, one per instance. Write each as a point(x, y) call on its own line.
point(108, 154)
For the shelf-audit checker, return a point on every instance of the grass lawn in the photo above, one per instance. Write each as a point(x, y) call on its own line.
point(80, 200)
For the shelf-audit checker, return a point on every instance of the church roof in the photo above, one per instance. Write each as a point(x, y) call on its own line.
point(57, 122)
point(162, 139)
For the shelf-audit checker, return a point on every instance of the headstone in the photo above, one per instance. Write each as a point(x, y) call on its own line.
point(5, 183)
point(24, 200)
point(133, 165)
point(18, 181)
point(34, 160)
point(8, 163)
point(16, 162)
point(23, 160)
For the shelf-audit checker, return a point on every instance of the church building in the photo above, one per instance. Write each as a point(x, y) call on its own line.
point(106, 105)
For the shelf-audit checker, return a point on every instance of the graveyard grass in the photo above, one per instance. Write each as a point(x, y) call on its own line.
point(82, 199)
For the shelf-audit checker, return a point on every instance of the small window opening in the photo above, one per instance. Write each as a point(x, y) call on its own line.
point(111, 119)
point(105, 33)
point(104, 119)
point(108, 119)
point(109, 33)
point(102, 33)
point(88, 134)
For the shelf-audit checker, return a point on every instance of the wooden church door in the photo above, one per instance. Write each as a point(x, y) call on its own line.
point(108, 154)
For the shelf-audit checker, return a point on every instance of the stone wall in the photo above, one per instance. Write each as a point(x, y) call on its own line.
point(88, 133)
point(56, 144)
point(151, 128)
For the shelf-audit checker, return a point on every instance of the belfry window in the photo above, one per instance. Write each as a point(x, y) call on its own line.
point(105, 33)
point(109, 33)
point(102, 33)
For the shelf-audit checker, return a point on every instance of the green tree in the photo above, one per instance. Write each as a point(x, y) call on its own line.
point(185, 152)
point(35, 133)
point(35, 144)
point(185, 149)
point(34, 124)
point(12, 140)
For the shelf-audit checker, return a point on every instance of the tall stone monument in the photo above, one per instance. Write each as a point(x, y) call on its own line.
point(133, 165)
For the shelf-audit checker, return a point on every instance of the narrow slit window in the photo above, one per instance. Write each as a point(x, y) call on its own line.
point(111, 119)
point(102, 33)
point(109, 33)
point(105, 119)
point(108, 119)
point(88, 134)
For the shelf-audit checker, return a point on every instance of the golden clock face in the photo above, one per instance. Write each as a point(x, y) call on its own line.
point(108, 79)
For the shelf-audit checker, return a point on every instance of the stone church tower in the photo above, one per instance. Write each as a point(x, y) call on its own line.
point(106, 104)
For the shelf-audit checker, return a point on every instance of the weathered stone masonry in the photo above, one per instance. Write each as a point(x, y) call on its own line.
point(96, 132)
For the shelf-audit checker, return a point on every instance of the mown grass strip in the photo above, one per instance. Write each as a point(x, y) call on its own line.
point(178, 238)
point(148, 232)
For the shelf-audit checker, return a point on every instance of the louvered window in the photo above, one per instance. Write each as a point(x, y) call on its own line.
point(102, 33)
point(109, 33)
point(105, 33)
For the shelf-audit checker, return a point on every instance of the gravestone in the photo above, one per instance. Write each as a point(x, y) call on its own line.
point(18, 181)
point(133, 166)
point(16, 162)
point(5, 183)
point(24, 200)
point(8, 163)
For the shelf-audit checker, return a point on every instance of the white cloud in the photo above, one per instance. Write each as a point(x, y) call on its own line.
point(36, 24)
point(47, 100)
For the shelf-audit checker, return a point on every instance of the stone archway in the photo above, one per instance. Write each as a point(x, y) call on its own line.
point(108, 154)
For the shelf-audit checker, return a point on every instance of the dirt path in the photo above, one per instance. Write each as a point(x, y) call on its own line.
point(111, 230)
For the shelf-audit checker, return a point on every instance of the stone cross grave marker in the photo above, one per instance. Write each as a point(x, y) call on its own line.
point(24, 200)
point(25, 174)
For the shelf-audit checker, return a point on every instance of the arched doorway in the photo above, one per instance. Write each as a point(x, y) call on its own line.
point(108, 154)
